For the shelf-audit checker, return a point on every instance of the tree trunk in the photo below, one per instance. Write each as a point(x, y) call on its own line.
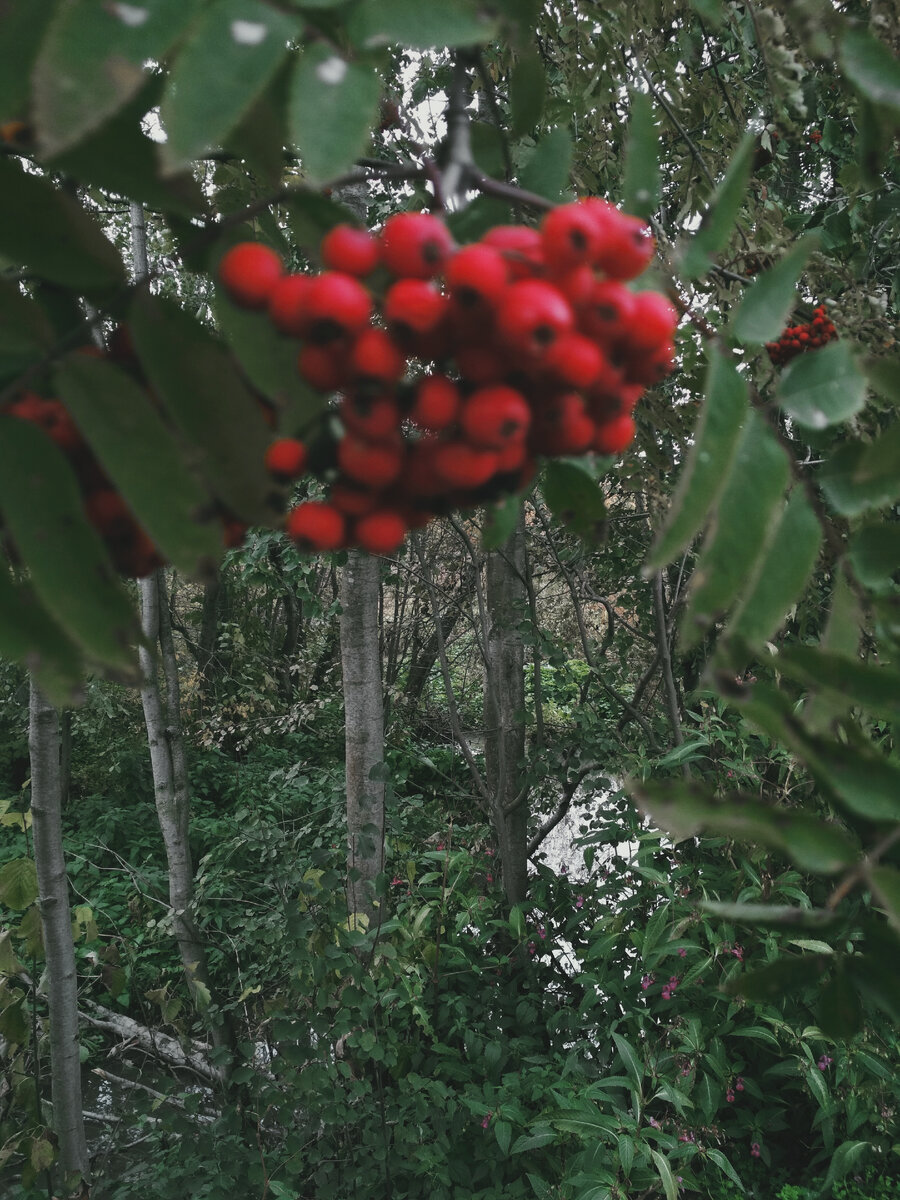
point(56, 921)
point(364, 729)
point(504, 708)
point(428, 653)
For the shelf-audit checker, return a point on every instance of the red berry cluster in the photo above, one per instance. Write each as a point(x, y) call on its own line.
point(797, 339)
point(132, 552)
point(457, 366)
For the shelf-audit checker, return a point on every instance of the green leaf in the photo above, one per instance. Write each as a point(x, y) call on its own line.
point(141, 458)
point(527, 92)
point(773, 915)
point(886, 886)
point(310, 216)
point(685, 810)
point(575, 499)
point(195, 377)
point(14, 1024)
point(93, 61)
point(871, 68)
point(42, 1155)
point(784, 977)
point(9, 964)
point(665, 1173)
point(547, 170)
point(29, 636)
point(823, 387)
point(741, 532)
point(626, 1153)
point(333, 106)
point(25, 332)
point(838, 1011)
point(874, 553)
point(767, 303)
point(719, 219)
point(641, 181)
point(503, 1134)
point(875, 688)
point(420, 26)
point(780, 575)
point(18, 884)
point(705, 473)
point(500, 521)
point(232, 53)
point(863, 475)
point(48, 232)
point(70, 571)
point(22, 29)
point(725, 1167)
point(630, 1060)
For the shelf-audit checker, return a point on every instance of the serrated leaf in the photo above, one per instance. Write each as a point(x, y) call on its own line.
point(641, 180)
point(780, 978)
point(575, 499)
point(93, 61)
point(838, 1011)
point(687, 809)
point(871, 68)
point(419, 26)
point(547, 170)
point(28, 635)
point(719, 219)
point(333, 106)
point(503, 1134)
point(741, 532)
point(781, 574)
point(527, 91)
point(767, 303)
point(140, 457)
point(48, 232)
point(665, 1173)
point(886, 886)
point(22, 28)
point(69, 567)
point(233, 51)
point(822, 387)
point(18, 884)
point(874, 553)
point(875, 688)
point(630, 1060)
point(705, 473)
point(25, 332)
point(860, 475)
point(725, 1167)
point(500, 521)
point(195, 377)
point(625, 1146)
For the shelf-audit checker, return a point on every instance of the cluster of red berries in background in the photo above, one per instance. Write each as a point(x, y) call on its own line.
point(453, 368)
point(128, 545)
point(797, 339)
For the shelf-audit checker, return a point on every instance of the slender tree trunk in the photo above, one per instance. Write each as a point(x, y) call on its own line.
point(208, 636)
point(364, 729)
point(56, 921)
point(444, 623)
point(504, 708)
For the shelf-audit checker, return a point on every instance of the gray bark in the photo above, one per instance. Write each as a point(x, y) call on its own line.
point(56, 922)
point(504, 708)
point(364, 729)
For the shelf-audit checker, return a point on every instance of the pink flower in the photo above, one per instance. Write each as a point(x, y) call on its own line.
point(440, 845)
point(652, 1121)
point(682, 953)
point(738, 953)
point(666, 994)
point(824, 1062)
point(754, 1149)
point(542, 933)
point(646, 981)
point(490, 878)
point(532, 948)
point(579, 901)
point(729, 1096)
point(489, 853)
point(739, 1083)
point(485, 1121)
point(396, 880)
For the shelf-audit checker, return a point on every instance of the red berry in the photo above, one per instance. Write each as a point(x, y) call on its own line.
point(626, 247)
point(477, 276)
point(564, 427)
point(481, 364)
point(233, 533)
point(353, 251)
point(351, 500)
point(436, 404)
point(314, 525)
point(614, 436)
point(493, 416)
point(373, 464)
point(337, 305)
point(532, 315)
point(286, 458)
point(322, 367)
point(609, 313)
point(372, 417)
point(570, 237)
point(653, 322)
point(287, 304)
point(249, 272)
point(380, 532)
point(376, 356)
point(463, 466)
point(574, 360)
point(414, 306)
point(521, 247)
point(415, 245)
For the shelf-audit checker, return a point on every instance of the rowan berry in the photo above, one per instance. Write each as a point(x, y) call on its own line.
point(626, 247)
point(376, 356)
point(609, 312)
point(371, 417)
point(286, 458)
point(233, 533)
point(351, 500)
point(481, 364)
point(380, 532)
point(521, 247)
point(337, 305)
point(249, 272)
point(612, 437)
point(532, 315)
point(315, 525)
point(477, 276)
point(287, 304)
point(493, 416)
point(574, 360)
point(323, 367)
point(415, 245)
point(577, 285)
point(353, 251)
point(565, 426)
point(373, 464)
point(436, 403)
point(653, 321)
point(570, 236)
point(414, 306)
point(463, 466)
point(109, 514)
